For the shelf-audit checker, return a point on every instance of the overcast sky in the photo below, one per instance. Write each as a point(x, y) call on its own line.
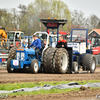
point(86, 6)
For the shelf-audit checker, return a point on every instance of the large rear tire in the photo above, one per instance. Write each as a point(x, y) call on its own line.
point(45, 59)
point(89, 63)
point(50, 61)
point(34, 66)
point(12, 53)
point(61, 61)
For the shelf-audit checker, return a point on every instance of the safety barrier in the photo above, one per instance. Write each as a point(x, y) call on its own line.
point(3, 64)
point(6, 44)
point(3, 55)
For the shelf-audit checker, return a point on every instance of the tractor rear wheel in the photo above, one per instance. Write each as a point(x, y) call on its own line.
point(75, 67)
point(50, 61)
point(89, 63)
point(34, 66)
point(12, 53)
point(61, 60)
point(45, 59)
point(9, 66)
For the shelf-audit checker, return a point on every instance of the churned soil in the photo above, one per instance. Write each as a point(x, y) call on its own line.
point(6, 77)
point(87, 94)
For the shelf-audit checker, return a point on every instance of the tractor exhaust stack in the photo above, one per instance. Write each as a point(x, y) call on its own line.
point(28, 42)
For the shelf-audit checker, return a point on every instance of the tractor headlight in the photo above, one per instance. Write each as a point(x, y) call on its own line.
point(22, 56)
point(18, 55)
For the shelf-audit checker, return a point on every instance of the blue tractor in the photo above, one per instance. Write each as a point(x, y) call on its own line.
point(52, 59)
point(24, 58)
point(82, 56)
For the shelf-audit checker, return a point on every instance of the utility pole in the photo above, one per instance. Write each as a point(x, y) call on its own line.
point(29, 28)
point(40, 13)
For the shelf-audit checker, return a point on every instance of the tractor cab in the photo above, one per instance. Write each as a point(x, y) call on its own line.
point(78, 40)
point(15, 37)
point(15, 34)
point(95, 41)
point(94, 38)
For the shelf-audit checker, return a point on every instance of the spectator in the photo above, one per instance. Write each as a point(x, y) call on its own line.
point(11, 46)
point(24, 44)
point(45, 43)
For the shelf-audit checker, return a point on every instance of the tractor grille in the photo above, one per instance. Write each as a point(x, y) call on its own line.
point(20, 56)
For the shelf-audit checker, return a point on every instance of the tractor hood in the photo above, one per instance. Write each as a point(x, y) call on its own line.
point(28, 51)
point(24, 54)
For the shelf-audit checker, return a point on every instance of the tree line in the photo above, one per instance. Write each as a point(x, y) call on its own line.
point(26, 17)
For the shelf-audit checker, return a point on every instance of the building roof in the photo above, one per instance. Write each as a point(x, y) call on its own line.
point(96, 30)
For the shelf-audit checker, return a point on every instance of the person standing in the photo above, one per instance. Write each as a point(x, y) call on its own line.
point(36, 45)
point(11, 46)
point(24, 44)
point(61, 43)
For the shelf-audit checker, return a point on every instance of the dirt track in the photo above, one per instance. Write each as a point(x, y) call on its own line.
point(87, 94)
point(6, 77)
point(80, 95)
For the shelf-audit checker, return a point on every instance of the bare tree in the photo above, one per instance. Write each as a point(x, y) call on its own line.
point(98, 26)
point(94, 20)
point(77, 18)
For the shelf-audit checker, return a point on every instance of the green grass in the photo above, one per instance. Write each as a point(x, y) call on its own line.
point(30, 85)
point(52, 91)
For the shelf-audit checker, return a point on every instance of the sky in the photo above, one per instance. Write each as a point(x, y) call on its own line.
point(88, 7)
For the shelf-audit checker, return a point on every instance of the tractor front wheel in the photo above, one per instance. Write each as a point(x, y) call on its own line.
point(34, 66)
point(9, 69)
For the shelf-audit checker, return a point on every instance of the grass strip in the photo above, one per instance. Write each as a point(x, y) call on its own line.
point(14, 86)
point(52, 91)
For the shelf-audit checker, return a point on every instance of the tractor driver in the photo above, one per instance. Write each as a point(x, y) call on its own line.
point(61, 43)
point(36, 45)
point(77, 39)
